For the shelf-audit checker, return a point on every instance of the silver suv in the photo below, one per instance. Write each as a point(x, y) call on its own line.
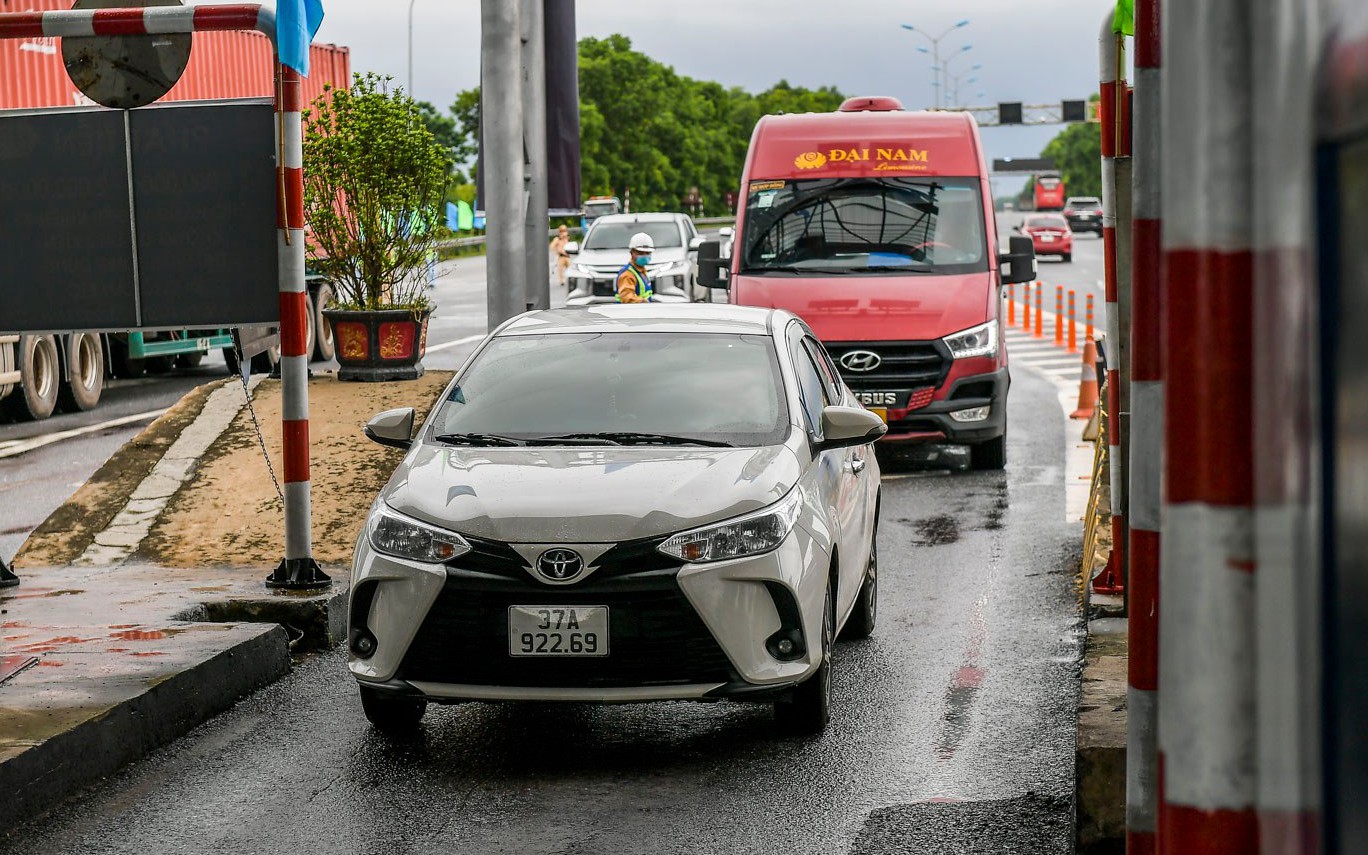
point(673, 270)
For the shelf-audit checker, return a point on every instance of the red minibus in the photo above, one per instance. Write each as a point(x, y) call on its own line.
point(875, 225)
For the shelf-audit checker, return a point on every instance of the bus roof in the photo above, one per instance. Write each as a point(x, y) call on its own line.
point(885, 144)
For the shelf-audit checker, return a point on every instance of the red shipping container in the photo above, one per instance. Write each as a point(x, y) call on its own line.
point(222, 65)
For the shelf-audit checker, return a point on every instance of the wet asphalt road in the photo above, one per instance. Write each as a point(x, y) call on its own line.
point(952, 730)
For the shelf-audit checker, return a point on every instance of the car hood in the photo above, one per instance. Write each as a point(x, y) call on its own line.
point(586, 495)
point(873, 308)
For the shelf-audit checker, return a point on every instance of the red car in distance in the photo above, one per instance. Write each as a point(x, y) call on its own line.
point(1050, 234)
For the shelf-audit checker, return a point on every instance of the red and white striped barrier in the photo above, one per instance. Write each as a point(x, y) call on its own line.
point(1146, 444)
point(1207, 759)
point(1115, 129)
point(298, 569)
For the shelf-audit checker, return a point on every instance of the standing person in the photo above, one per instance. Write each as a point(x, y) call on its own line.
point(632, 284)
point(558, 250)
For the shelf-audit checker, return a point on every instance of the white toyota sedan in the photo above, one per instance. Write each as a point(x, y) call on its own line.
point(620, 504)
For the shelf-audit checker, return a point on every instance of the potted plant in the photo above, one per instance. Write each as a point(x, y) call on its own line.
point(374, 183)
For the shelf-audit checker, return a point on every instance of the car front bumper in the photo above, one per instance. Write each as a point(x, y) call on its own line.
point(675, 633)
point(934, 422)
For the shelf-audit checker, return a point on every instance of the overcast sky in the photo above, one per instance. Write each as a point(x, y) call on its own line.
point(1038, 52)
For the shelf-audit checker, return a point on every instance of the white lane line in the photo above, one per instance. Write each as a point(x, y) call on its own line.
point(20, 447)
point(446, 345)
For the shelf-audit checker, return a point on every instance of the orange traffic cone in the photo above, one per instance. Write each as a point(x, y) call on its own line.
point(1087, 383)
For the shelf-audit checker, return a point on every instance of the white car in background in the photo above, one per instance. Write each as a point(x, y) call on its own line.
point(673, 271)
point(620, 504)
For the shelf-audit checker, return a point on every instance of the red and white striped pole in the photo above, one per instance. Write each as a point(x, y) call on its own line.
point(1146, 445)
point(1114, 131)
point(1207, 757)
point(298, 570)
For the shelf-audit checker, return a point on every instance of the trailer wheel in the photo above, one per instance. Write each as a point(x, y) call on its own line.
point(310, 328)
point(265, 362)
point(324, 348)
point(41, 378)
point(85, 368)
point(122, 365)
point(189, 360)
point(230, 356)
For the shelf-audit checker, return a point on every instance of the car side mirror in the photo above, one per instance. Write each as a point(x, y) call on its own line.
point(695, 242)
point(572, 247)
point(1018, 265)
point(843, 427)
point(714, 271)
point(392, 427)
point(726, 231)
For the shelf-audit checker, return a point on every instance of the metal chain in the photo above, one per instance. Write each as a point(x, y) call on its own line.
point(256, 425)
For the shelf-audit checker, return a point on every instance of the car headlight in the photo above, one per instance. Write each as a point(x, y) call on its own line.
point(582, 268)
point(401, 537)
point(981, 340)
point(752, 534)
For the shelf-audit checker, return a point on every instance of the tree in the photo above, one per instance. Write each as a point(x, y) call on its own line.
point(646, 128)
point(1077, 153)
point(374, 182)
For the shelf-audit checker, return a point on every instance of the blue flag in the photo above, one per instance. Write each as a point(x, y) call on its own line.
point(297, 22)
point(453, 217)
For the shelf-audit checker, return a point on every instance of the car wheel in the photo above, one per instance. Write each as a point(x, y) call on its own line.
point(1068, 256)
point(808, 708)
point(862, 619)
point(390, 713)
point(991, 454)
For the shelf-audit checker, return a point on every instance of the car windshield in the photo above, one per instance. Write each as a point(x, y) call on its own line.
point(1046, 223)
point(895, 225)
point(618, 235)
point(599, 209)
point(718, 388)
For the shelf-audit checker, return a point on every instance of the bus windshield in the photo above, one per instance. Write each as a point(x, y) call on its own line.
point(895, 225)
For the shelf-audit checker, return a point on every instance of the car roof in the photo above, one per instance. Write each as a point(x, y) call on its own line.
point(668, 317)
point(656, 217)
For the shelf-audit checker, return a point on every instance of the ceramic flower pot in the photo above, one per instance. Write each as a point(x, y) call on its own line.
point(386, 344)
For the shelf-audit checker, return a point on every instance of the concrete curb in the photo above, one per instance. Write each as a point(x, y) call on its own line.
point(39, 778)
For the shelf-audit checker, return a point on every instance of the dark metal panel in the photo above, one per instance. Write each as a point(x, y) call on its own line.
point(562, 107)
point(64, 222)
point(204, 179)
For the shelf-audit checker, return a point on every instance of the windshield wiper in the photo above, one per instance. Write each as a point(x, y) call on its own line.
point(478, 439)
point(791, 268)
point(636, 438)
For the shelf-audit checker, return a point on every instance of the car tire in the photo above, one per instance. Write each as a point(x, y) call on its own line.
point(40, 372)
point(1068, 256)
point(85, 368)
point(860, 624)
point(990, 455)
point(807, 709)
point(392, 714)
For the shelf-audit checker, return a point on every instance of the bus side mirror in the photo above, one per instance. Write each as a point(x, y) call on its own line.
point(714, 271)
point(1018, 265)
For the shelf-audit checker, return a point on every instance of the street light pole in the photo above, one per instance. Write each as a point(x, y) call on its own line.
point(935, 53)
point(410, 48)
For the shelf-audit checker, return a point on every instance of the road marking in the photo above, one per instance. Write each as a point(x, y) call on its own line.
point(17, 447)
point(433, 348)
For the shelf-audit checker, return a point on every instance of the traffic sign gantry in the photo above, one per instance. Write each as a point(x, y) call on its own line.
point(298, 569)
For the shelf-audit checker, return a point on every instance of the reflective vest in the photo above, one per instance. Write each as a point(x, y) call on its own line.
point(643, 285)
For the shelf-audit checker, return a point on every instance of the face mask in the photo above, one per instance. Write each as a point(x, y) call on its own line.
point(642, 260)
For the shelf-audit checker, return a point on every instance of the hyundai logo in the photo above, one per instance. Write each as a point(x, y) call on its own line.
point(861, 361)
point(560, 565)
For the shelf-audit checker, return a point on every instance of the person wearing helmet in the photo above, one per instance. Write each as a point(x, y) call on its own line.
point(632, 284)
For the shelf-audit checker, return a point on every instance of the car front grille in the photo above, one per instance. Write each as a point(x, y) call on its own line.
point(655, 636)
point(903, 364)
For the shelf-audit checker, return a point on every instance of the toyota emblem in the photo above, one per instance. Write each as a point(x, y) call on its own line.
point(560, 565)
point(861, 361)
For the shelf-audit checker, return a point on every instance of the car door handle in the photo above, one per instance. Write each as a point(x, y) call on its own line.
point(856, 466)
